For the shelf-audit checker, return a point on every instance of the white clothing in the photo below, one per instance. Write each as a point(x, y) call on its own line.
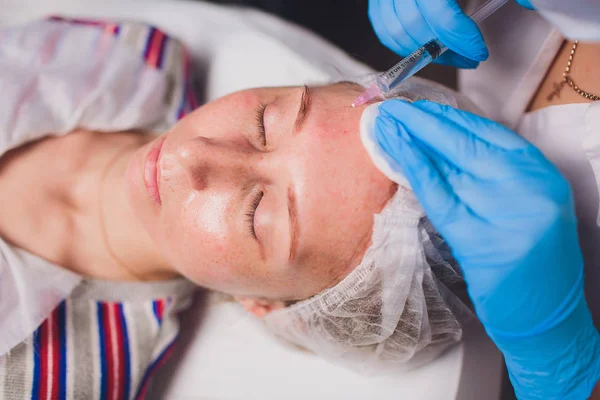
point(522, 45)
point(576, 19)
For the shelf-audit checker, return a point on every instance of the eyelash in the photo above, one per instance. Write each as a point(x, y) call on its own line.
point(252, 212)
point(260, 122)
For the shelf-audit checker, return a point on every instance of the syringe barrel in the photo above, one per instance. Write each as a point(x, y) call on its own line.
point(410, 65)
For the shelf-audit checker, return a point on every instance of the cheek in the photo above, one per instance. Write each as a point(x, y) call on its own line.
point(205, 215)
point(336, 154)
point(339, 170)
point(333, 129)
point(202, 230)
point(221, 110)
point(200, 258)
point(333, 120)
point(196, 239)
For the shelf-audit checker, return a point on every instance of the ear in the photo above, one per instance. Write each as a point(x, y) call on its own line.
point(259, 307)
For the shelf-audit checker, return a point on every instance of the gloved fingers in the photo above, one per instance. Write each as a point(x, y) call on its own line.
point(429, 185)
point(445, 138)
point(390, 26)
point(380, 27)
point(454, 28)
point(456, 60)
point(401, 27)
point(387, 131)
point(413, 30)
point(489, 131)
point(413, 22)
point(526, 4)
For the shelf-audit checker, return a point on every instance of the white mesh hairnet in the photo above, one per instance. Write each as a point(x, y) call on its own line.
point(395, 309)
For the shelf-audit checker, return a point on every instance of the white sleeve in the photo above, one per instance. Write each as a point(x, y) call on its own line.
point(577, 19)
point(56, 77)
point(30, 289)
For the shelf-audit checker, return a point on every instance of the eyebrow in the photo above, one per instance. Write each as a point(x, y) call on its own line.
point(305, 103)
point(293, 214)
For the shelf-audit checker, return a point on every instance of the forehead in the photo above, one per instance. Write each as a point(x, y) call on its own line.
point(332, 131)
point(341, 189)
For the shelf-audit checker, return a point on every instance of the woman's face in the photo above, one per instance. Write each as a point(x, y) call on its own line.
point(264, 193)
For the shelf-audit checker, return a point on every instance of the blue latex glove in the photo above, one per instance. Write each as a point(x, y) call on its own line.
point(525, 3)
point(405, 25)
point(508, 215)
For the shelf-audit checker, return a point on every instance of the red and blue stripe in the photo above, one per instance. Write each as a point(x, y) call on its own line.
point(77, 21)
point(158, 309)
point(113, 29)
point(50, 357)
point(62, 350)
point(189, 101)
point(103, 341)
point(37, 364)
point(154, 50)
point(156, 364)
point(115, 357)
point(126, 365)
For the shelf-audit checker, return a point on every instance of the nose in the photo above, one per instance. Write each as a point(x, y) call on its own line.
point(209, 162)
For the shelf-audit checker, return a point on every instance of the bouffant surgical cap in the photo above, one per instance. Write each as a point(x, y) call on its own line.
point(396, 309)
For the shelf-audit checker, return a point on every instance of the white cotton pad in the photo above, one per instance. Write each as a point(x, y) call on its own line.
point(382, 161)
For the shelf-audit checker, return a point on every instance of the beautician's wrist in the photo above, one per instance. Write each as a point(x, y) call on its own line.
point(561, 363)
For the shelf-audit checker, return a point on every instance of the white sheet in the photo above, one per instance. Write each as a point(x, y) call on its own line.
point(228, 355)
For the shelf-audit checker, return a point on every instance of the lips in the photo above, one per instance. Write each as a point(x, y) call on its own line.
point(151, 170)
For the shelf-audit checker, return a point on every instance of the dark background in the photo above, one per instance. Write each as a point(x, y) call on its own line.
point(346, 24)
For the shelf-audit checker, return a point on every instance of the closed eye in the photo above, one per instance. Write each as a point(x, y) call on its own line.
point(250, 214)
point(261, 134)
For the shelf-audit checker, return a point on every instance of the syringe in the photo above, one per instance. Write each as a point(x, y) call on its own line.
point(419, 59)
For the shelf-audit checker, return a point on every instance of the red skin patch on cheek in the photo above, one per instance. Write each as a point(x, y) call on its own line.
point(323, 130)
point(332, 129)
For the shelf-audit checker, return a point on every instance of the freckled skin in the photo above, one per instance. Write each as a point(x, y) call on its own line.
point(214, 157)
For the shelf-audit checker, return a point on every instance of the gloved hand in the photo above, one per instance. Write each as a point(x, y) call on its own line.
point(405, 25)
point(508, 216)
